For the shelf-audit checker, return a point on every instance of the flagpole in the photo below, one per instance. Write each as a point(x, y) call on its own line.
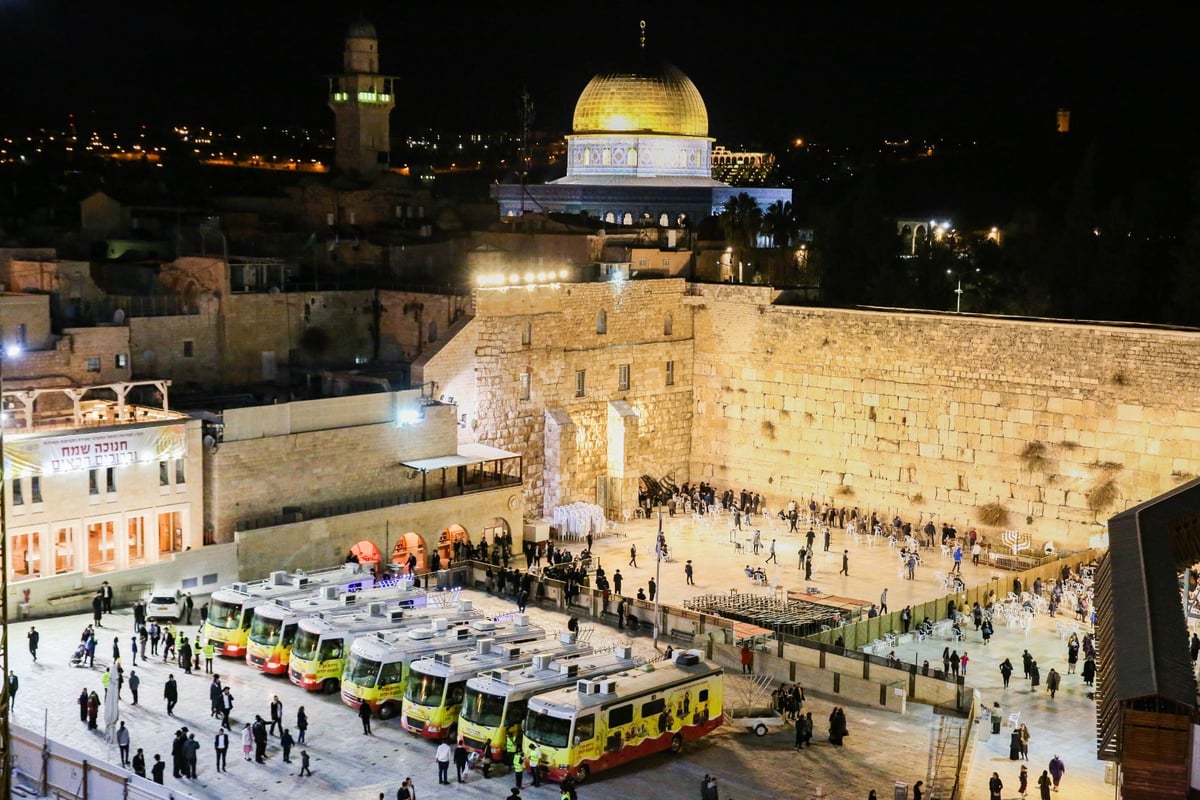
point(657, 573)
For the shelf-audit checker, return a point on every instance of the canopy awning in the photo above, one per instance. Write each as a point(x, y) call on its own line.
point(472, 453)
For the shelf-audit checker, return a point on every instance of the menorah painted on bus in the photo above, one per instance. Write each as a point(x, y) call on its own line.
point(1016, 541)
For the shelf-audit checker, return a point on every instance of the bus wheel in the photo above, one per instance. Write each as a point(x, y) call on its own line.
point(583, 773)
point(330, 686)
point(388, 710)
point(676, 743)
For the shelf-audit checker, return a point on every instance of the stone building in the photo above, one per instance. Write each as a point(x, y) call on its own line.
point(98, 480)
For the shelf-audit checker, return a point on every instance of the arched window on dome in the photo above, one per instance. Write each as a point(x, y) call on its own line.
point(602, 321)
point(663, 220)
point(632, 157)
point(627, 218)
point(610, 218)
point(668, 325)
point(587, 155)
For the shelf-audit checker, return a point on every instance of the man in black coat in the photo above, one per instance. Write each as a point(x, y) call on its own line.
point(259, 730)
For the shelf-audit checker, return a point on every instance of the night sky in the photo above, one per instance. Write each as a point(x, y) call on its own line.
point(786, 70)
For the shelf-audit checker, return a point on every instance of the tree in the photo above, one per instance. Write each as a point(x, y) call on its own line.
point(779, 222)
point(741, 221)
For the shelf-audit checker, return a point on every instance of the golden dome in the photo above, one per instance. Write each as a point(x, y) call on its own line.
point(658, 101)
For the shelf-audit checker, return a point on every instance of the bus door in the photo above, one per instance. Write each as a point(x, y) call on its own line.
point(289, 635)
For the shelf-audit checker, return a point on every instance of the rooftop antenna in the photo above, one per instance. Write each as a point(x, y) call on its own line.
point(526, 120)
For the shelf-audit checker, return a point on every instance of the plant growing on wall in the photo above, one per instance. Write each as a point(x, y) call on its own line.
point(1034, 456)
point(993, 514)
point(1105, 491)
point(1102, 495)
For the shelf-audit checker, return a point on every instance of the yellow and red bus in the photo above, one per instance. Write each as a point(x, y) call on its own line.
point(275, 625)
point(231, 608)
point(379, 665)
point(434, 691)
point(602, 722)
point(323, 642)
point(494, 702)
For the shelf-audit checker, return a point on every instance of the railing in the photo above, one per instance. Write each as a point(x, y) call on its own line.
point(298, 513)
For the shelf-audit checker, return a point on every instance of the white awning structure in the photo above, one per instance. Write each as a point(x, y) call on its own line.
point(472, 453)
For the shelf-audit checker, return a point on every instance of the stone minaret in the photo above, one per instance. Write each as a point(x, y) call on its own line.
point(362, 101)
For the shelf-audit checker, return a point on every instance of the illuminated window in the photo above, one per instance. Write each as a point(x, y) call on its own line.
point(623, 378)
point(580, 382)
point(170, 532)
point(602, 322)
point(25, 555)
point(121, 360)
point(136, 540)
point(64, 550)
point(101, 551)
point(526, 383)
point(670, 373)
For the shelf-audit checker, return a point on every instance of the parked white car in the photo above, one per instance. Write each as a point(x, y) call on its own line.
point(163, 606)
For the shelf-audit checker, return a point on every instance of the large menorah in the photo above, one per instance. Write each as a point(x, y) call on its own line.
point(1016, 541)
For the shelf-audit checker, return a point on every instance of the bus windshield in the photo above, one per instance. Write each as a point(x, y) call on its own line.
point(264, 631)
point(483, 708)
point(425, 690)
point(306, 645)
point(362, 671)
point(547, 730)
point(224, 615)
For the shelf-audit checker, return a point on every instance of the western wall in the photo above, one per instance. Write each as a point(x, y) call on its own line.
point(1045, 427)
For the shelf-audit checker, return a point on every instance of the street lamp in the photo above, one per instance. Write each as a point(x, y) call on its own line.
point(5, 696)
point(658, 548)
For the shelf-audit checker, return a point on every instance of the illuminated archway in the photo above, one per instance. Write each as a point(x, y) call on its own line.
point(368, 555)
point(410, 544)
point(452, 535)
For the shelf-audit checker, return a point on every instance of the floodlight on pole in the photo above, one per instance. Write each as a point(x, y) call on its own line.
point(658, 572)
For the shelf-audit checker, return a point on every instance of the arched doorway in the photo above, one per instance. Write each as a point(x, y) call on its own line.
point(496, 533)
point(368, 555)
point(409, 544)
point(453, 544)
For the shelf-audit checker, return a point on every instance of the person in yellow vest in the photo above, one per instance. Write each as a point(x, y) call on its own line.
point(105, 678)
point(209, 651)
point(518, 768)
point(535, 764)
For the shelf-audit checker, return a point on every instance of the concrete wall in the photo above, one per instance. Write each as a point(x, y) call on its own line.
point(936, 414)
point(318, 543)
point(335, 452)
point(200, 571)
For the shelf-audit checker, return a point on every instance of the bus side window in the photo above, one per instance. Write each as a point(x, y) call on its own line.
point(622, 715)
point(585, 728)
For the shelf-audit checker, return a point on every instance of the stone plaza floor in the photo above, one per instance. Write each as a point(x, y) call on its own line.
point(345, 765)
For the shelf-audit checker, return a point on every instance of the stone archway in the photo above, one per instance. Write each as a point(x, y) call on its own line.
point(453, 543)
point(368, 555)
point(410, 543)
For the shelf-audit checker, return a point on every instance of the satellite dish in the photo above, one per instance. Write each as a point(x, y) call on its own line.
point(119, 316)
point(273, 291)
